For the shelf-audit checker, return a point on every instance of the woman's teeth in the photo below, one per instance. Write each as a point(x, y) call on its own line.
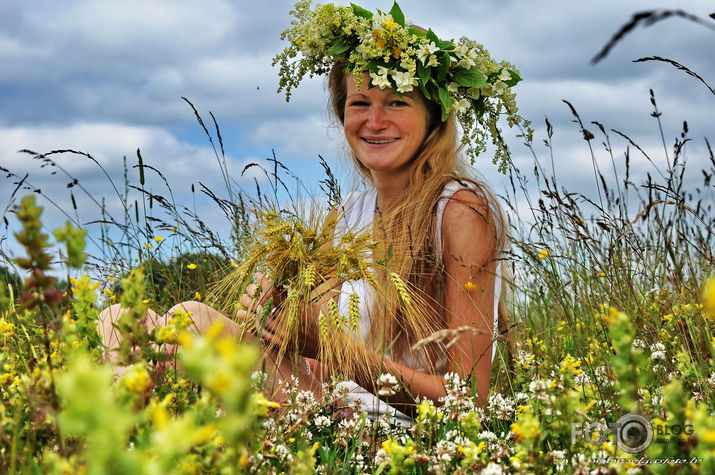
point(376, 142)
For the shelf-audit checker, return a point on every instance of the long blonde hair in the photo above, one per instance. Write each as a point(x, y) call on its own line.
point(409, 225)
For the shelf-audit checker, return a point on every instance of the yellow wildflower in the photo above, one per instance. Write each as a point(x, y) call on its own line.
point(148, 246)
point(390, 24)
point(198, 295)
point(470, 287)
point(108, 292)
point(137, 379)
point(166, 335)
point(266, 403)
point(158, 238)
point(543, 254)
point(191, 266)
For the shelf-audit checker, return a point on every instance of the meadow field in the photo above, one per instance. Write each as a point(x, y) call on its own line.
point(608, 365)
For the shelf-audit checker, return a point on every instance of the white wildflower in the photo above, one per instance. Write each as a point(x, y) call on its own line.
point(381, 457)
point(258, 378)
point(493, 469)
point(283, 453)
point(582, 379)
point(657, 352)
point(559, 459)
point(502, 406)
point(387, 385)
point(521, 397)
point(638, 344)
point(322, 422)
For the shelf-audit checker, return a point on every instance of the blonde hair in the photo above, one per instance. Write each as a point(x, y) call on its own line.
point(409, 225)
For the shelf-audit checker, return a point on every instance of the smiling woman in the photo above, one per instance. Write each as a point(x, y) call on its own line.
point(399, 93)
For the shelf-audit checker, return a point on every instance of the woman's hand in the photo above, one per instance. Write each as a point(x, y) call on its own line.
point(273, 329)
point(257, 296)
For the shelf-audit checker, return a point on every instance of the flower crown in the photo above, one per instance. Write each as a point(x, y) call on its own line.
point(461, 77)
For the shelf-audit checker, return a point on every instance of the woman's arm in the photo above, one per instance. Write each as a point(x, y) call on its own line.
point(469, 254)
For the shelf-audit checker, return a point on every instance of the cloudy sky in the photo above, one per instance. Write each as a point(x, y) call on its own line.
point(107, 77)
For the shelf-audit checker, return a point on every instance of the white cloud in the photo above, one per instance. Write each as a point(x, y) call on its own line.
point(296, 138)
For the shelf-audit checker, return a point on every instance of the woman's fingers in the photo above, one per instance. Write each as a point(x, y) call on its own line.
point(267, 289)
point(247, 302)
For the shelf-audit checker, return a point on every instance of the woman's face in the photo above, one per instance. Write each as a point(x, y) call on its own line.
point(383, 129)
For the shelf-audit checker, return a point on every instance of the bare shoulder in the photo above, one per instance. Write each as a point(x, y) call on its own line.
point(468, 224)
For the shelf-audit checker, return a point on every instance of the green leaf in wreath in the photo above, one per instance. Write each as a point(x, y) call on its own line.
point(338, 47)
point(424, 90)
point(515, 78)
point(445, 45)
point(478, 106)
point(397, 14)
point(431, 36)
point(469, 77)
point(361, 12)
point(423, 72)
point(416, 32)
point(444, 98)
point(444, 62)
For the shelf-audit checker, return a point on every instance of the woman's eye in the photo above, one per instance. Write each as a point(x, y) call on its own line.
point(399, 103)
point(359, 103)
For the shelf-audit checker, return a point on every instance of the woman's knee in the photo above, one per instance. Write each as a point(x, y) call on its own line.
point(111, 314)
point(201, 314)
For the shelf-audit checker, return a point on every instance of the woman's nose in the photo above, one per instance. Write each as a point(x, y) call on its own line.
point(376, 119)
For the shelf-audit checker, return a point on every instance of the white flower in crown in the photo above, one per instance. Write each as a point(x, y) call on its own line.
point(404, 81)
point(461, 50)
point(499, 87)
point(379, 21)
point(432, 61)
point(380, 80)
point(504, 76)
point(425, 50)
point(408, 64)
point(452, 87)
point(461, 106)
point(466, 62)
